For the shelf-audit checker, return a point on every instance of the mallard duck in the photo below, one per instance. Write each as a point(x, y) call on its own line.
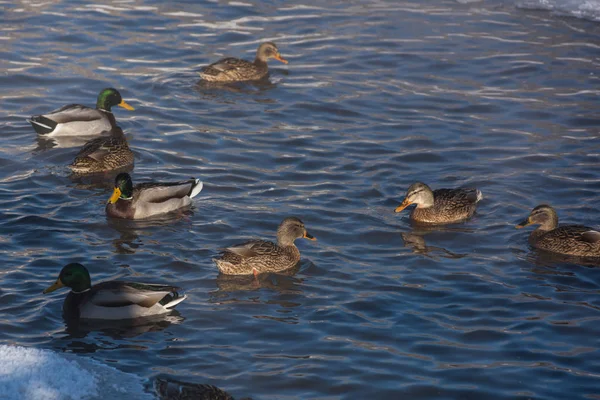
point(235, 70)
point(103, 154)
point(149, 199)
point(442, 206)
point(112, 300)
point(79, 120)
point(175, 390)
point(573, 240)
point(259, 256)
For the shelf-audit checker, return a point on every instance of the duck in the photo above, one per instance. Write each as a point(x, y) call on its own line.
point(261, 256)
point(78, 120)
point(149, 199)
point(571, 240)
point(112, 300)
point(442, 206)
point(171, 389)
point(102, 154)
point(236, 70)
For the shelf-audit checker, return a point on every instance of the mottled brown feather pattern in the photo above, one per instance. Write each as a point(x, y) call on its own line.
point(574, 240)
point(234, 69)
point(450, 205)
point(103, 154)
point(259, 255)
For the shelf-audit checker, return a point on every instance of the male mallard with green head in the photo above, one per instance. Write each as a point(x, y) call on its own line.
point(442, 206)
point(572, 240)
point(78, 120)
point(102, 154)
point(149, 199)
point(112, 300)
point(260, 256)
point(236, 70)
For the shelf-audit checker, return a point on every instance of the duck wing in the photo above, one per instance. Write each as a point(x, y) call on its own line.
point(253, 248)
point(591, 236)
point(123, 294)
point(154, 192)
point(224, 65)
point(458, 197)
point(74, 112)
point(99, 148)
point(579, 233)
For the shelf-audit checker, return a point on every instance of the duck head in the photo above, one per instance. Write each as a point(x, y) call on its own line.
point(73, 275)
point(419, 194)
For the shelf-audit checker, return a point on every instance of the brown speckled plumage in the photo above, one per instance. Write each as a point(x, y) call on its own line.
point(572, 240)
point(236, 70)
point(103, 154)
point(170, 389)
point(442, 206)
point(260, 256)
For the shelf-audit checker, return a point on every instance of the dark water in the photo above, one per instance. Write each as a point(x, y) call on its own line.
point(377, 95)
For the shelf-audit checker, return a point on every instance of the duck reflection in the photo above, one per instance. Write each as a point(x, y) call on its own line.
point(121, 329)
point(129, 240)
point(547, 259)
point(214, 90)
point(416, 241)
point(280, 281)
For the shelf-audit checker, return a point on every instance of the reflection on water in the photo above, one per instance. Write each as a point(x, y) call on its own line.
point(418, 245)
point(546, 258)
point(87, 336)
point(282, 281)
point(118, 330)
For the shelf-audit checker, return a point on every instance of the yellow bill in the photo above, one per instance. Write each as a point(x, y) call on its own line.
point(115, 196)
point(125, 105)
point(56, 285)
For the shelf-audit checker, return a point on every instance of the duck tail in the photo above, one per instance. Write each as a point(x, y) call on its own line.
point(196, 188)
point(173, 299)
point(42, 125)
point(479, 195)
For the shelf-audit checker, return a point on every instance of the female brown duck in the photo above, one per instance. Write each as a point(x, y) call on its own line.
point(442, 206)
point(260, 256)
point(572, 240)
point(236, 70)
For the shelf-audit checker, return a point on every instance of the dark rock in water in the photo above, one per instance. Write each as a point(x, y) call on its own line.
point(170, 389)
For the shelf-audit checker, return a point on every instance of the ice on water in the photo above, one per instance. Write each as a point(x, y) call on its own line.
point(34, 374)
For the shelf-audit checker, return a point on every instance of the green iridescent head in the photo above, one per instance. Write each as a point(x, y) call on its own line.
point(111, 97)
point(123, 188)
point(73, 275)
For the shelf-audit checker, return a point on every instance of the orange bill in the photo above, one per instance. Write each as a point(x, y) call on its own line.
point(402, 206)
point(309, 236)
point(279, 58)
point(523, 224)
